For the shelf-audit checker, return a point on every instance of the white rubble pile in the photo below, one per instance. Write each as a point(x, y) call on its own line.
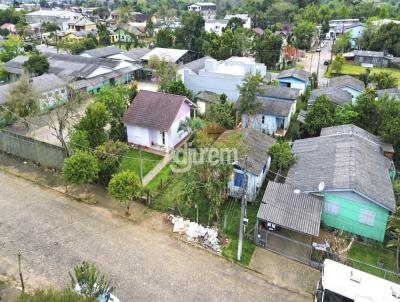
point(195, 232)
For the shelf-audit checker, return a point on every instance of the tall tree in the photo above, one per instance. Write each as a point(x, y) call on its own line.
point(303, 33)
point(367, 111)
point(94, 122)
point(36, 64)
point(13, 46)
point(164, 38)
point(249, 90)
point(188, 36)
point(281, 156)
point(320, 115)
point(268, 48)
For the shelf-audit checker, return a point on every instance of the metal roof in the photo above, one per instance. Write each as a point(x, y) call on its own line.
point(345, 158)
point(295, 73)
point(288, 208)
point(279, 92)
point(169, 54)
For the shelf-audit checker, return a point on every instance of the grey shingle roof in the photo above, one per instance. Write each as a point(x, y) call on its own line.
point(15, 65)
point(395, 92)
point(137, 53)
point(196, 65)
point(367, 53)
point(40, 84)
point(255, 146)
point(275, 107)
point(295, 73)
point(345, 158)
point(296, 211)
point(208, 96)
point(280, 92)
point(153, 110)
point(347, 81)
point(335, 95)
point(103, 52)
point(301, 117)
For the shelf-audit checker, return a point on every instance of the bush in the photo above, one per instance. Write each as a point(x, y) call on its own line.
point(80, 168)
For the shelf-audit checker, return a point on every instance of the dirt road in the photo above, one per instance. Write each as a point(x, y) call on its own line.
point(54, 233)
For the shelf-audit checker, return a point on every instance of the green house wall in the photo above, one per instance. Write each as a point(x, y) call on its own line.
point(350, 206)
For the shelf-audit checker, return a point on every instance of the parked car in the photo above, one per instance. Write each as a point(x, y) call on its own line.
point(326, 62)
point(318, 49)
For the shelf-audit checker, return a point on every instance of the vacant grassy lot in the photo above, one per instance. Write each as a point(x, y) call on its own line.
point(369, 255)
point(131, 161)
point(356, 70)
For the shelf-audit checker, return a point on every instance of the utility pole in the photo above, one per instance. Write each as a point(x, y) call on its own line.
point(20, 272)
point(141, 165)
point(242, 212)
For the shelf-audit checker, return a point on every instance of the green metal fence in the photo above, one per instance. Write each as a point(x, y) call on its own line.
point(29, 148)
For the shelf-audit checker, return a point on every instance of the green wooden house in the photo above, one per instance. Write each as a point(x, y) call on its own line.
point(351, 169)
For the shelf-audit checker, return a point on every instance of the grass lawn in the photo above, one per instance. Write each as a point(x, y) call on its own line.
point(370, 254)
point(229, 226)
point(356, 70)
point(131, 161)
point(160, 177)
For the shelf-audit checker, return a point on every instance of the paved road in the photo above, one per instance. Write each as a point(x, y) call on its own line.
point(55, 233)
point(310, 62)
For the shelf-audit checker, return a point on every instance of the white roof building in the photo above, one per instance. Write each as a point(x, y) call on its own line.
point(59, 17)
point(222, 76)
point(168, 54)
point(384, 22)
point(342, 280)
point(217, 26)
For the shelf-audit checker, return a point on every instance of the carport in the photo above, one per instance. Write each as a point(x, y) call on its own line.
point(287, 220)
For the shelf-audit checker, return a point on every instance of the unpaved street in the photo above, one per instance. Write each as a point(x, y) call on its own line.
point(54, 233)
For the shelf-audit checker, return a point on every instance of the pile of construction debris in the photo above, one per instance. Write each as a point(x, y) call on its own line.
point(207, 237)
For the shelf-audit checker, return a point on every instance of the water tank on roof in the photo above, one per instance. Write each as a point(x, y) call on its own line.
point(211, 64)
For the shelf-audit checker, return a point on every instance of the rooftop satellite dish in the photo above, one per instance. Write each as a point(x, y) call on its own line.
point(321, 186)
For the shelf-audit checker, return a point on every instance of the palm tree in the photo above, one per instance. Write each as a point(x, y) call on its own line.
point(394, 227)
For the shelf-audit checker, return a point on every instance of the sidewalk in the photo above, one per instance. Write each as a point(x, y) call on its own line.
point(153, 172)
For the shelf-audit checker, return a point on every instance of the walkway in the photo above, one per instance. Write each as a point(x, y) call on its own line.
point(153, 172)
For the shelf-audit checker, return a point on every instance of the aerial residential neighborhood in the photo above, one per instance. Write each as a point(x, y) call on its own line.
point(199, 151)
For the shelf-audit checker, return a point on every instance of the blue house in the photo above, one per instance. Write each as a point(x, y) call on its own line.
point(276, 107)
point(294, 78)
point(355, 31)
point(349, 84)
point(254, 145)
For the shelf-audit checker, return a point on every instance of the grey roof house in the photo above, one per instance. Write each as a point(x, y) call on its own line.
point(277, 104)
point(392, 92)
point(352, 170)
point(349, 84)
point(50, 90)
point(294, 78)
point(336, 95)
point(254, 145)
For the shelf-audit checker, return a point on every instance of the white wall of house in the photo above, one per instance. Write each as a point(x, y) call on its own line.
point(355, 34)
point(293, 83)
point(99, 71)
point(223, 76)
point(156, 139)
point(215, 26)
point(138, 135)
point(254, 182)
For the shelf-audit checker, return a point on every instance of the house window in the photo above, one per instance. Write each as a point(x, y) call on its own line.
point(163, 137)
point(367, 217)
point(263, 119)
point(331, 208)
point(238, 179)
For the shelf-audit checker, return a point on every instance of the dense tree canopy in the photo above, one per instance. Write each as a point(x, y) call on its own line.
point(37, 65)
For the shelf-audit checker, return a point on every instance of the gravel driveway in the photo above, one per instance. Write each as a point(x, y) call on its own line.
point(54, 233)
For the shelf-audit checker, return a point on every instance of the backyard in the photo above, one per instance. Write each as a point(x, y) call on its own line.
point(365, 258)
point(131, 161)
point(355, 70)
point(166, 191)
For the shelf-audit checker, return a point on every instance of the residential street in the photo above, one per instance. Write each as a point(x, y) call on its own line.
point(54, 233)
point(310, 62)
